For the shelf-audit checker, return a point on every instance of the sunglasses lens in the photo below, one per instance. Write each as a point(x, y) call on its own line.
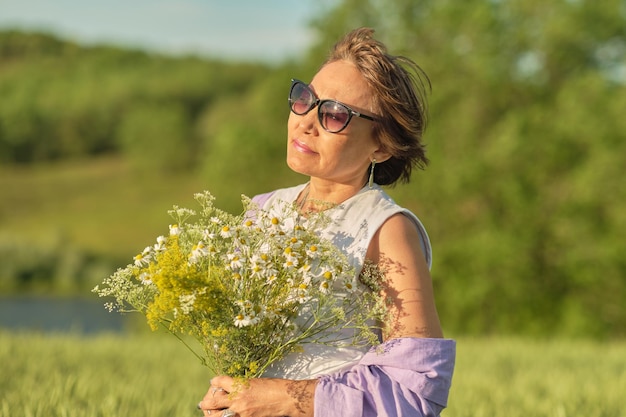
point(334, 116)
point(301, 98)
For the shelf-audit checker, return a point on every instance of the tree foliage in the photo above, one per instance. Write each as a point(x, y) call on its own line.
point(62, 100)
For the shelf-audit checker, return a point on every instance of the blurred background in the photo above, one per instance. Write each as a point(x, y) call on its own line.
point(112, 112)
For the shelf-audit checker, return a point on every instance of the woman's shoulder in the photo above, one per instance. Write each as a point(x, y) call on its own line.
point(378, 208)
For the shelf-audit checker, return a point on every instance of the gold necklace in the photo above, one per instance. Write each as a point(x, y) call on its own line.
point(316, 205)
point(304, 195)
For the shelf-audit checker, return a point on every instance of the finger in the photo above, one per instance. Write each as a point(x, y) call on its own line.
point(215, 399)
point(210, 395)
point(224, 382)
point(205, 411)
point(228, 413)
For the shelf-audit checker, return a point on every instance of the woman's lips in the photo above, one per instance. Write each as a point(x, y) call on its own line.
point(301, 147)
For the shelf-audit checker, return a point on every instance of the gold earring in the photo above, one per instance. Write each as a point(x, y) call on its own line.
point(371, 180)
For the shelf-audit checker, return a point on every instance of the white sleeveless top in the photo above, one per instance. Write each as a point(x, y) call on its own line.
point(353, 224)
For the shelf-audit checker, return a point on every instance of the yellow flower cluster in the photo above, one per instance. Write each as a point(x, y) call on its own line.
point(249, 288)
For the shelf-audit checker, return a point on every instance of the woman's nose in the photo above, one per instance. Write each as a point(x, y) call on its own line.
point(309, 121)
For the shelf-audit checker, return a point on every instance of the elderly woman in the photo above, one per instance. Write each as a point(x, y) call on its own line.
point(356, 126)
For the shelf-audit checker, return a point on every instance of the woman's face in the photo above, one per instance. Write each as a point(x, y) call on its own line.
point(342, 157)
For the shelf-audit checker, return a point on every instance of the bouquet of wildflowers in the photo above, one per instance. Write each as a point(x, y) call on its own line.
point(249, 288)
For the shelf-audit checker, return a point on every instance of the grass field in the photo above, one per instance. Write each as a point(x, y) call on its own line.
point(101, 205)
point(154, 375)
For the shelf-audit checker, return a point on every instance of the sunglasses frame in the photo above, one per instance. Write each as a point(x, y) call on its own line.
point(319, 103)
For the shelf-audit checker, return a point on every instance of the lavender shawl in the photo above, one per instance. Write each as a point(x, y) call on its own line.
point(402, 377)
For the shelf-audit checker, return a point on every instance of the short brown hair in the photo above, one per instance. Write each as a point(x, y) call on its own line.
point(399, 86)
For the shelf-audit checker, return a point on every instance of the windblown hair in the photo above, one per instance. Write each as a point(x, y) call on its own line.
point(399, 88)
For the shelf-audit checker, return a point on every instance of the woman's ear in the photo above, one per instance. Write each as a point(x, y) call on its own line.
point(380, 156)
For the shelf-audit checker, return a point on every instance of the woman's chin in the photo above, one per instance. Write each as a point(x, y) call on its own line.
point(298, 167)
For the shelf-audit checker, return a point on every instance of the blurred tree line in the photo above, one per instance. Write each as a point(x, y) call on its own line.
point(61, 100)
point(524, 198)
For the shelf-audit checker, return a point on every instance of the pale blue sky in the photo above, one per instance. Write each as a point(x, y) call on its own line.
point(260, 29)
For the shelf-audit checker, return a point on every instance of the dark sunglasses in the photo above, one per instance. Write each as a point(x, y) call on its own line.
point(333, 115)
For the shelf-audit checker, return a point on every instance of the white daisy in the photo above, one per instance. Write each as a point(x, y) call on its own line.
point(242, 320)
point(144, 278)
point(226, 232)
point(324, 287)
point(144, 258)
point(235, 261)
point(198, 252)
point(159, 246)
point(312, 251)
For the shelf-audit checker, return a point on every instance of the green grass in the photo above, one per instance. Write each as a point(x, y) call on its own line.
point(154, 375)
point(525, 377)
point(103, 376)
point(101, 205)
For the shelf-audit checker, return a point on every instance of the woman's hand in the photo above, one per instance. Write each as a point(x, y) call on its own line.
point(260, 397)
